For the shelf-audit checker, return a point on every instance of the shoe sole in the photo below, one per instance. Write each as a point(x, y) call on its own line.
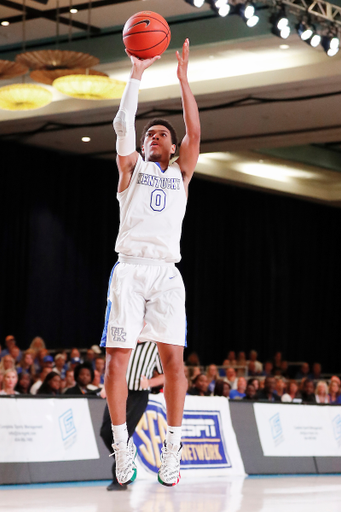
point(168, 485)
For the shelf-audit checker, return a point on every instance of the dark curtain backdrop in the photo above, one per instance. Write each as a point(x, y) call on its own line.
point(262, 271)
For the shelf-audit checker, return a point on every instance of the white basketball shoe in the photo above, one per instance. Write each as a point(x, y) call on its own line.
point(125, 454)
point(169, 472)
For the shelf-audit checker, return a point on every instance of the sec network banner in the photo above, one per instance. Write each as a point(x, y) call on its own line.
point(209, 442)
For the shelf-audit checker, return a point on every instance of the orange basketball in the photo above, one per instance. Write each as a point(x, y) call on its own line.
point(146, 34)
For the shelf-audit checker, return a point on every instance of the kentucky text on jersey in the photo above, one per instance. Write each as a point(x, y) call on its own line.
point(154, 181)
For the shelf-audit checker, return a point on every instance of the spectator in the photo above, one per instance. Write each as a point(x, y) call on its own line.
point(254, 382)
point(285, 369)
point(100, 367)
point(239, 393)
point(26, 363)
point(34, 388)
point(251, 369)
point(37, 344)
point(193, 371)
point(10, 342)
point(60, 366)
point(7, 363)
point(231, 377)
point(15, 353)
point(48, 362)
point(222, 388)
point(303, 372)
point(69, 380)
point(258, 367)
point(292, 392)
point(9, 382)
point(51, 384)
point(73, 363)
point(277, 364)
point(193, 359)
point(96, 383)
point(75, 353)
point(334, 392)
point(231, 359)
point(39, 359)
point(321, 393)
point(280, 387)
point(268, 392)
point(308, 393)
point(212, 376)
point(336, 378)
point(84, 375)
point(268, 369)
point(242, 363)
point(250, 392)
point(316, 372)
point(24, 383)
point(200, 386)
point(90, 357)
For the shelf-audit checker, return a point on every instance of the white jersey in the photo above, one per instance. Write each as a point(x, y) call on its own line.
point(152, 209)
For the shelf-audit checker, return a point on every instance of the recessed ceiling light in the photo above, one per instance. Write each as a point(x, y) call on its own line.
point(5, 23)
point(73, 11)
point(86, 139)
point(284, 46)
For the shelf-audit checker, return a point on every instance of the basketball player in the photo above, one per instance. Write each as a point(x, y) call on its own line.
point(146, 298)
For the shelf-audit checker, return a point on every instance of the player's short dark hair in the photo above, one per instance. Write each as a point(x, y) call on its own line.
point(162, 122)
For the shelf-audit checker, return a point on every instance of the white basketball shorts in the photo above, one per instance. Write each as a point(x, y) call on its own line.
point(145, 302)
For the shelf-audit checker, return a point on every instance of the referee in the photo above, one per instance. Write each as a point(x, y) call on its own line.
point(140, 379)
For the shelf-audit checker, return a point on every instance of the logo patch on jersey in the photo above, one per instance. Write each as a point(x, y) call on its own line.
point(118, 334)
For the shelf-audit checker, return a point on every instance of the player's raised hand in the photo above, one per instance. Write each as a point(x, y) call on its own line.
point(183, 61)
point(139, 65)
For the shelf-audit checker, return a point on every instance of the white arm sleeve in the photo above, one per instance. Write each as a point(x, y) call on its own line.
point(124, 122)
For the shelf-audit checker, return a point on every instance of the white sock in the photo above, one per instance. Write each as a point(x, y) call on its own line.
point(120, 433)
point(173, 435)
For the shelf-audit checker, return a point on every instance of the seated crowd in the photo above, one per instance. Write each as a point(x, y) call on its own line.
point(37, 371)
point(242, 379)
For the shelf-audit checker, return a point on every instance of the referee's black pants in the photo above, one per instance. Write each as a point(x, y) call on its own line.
point(136, 405)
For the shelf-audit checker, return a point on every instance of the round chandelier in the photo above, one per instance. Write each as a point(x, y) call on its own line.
point(56, 59)
point(24, 97)
point(90, 87)
point(9, 69)
point(47, 76)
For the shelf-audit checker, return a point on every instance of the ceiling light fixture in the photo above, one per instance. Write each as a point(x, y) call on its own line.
point(280, 23)
point(24, 97)
point(221, 7)
point(90, 87)
point(331, 44)
point(5, 23)
point(304, 30)
point(86, 139)
point(196, 3)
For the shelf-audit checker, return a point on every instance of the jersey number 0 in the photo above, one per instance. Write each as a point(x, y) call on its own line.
point(158, 200)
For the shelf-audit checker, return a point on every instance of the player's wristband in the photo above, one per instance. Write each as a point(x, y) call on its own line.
point(124, 122)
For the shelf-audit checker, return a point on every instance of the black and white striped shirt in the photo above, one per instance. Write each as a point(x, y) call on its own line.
point(142, 361)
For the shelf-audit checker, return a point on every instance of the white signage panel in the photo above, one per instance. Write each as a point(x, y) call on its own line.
point(38, 430)
point(289, 430)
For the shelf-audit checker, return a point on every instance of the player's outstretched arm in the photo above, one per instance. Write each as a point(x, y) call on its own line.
point(124, 122)
point(190, 145)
